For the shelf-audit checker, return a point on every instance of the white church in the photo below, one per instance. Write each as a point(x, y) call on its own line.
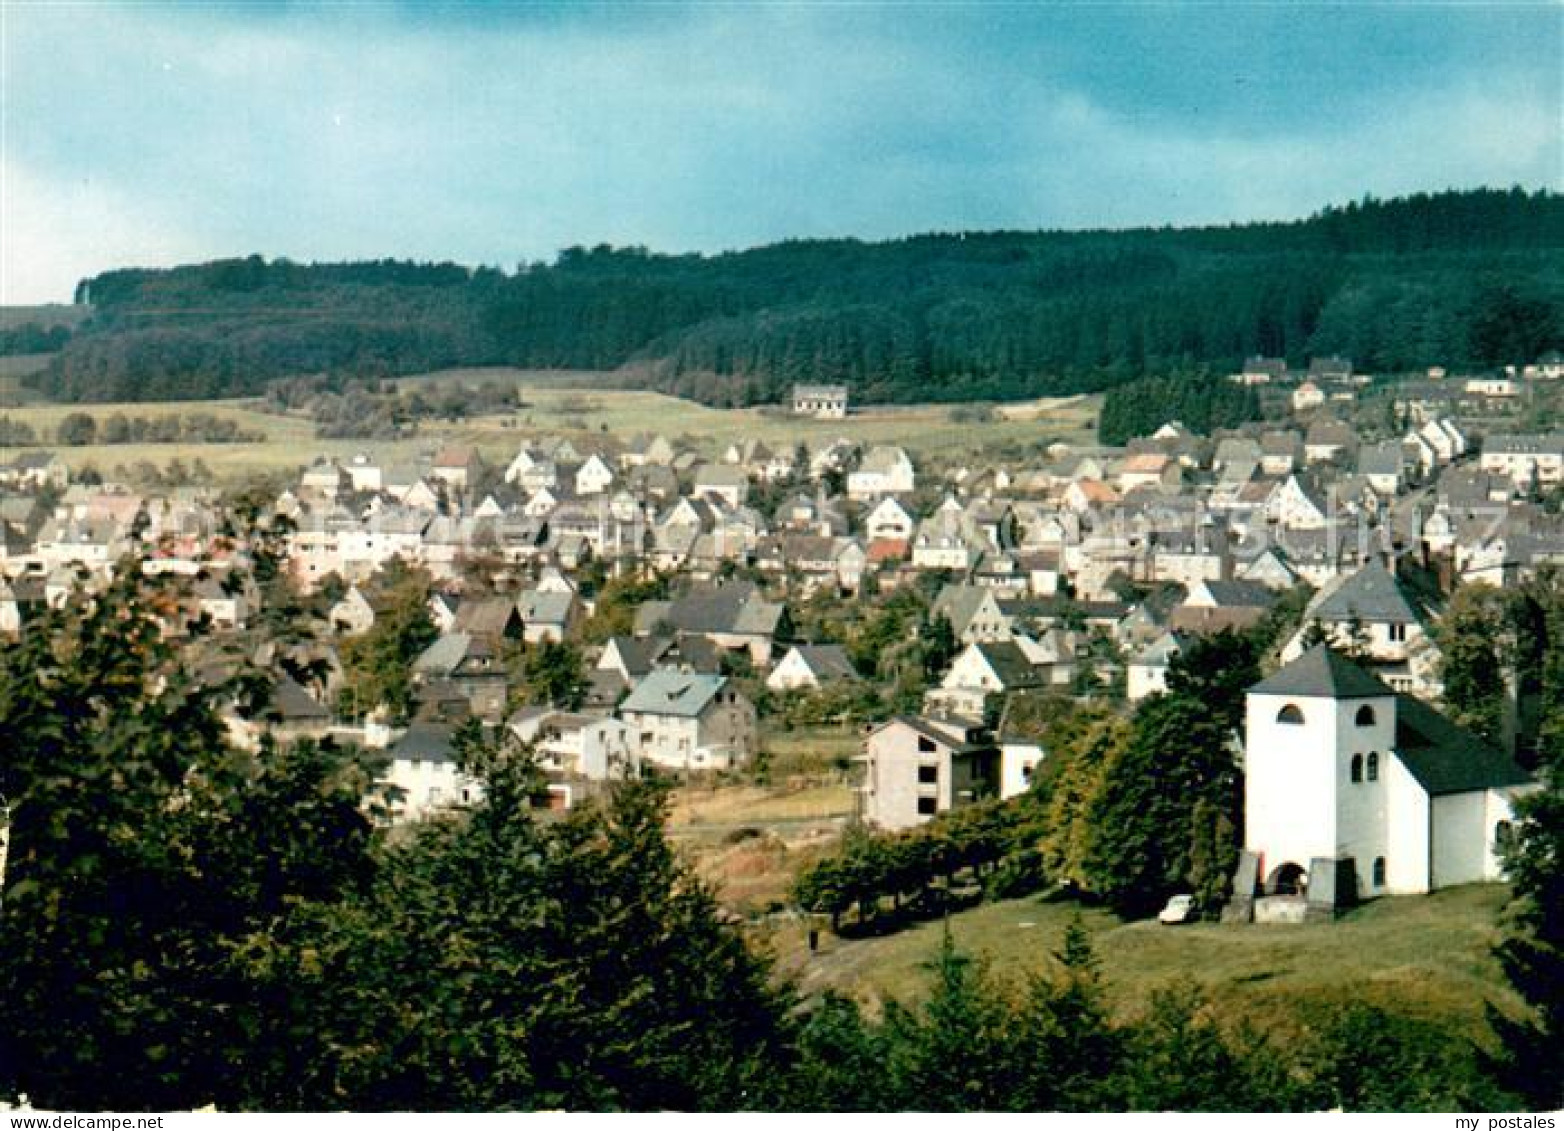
point(1352, 790)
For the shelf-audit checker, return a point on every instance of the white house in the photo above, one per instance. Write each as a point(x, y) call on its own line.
point(1525, 458)
point(1018, 760)
point(1147, 673)
point(1306, 396)
point(423, 768)
point(684, 721)
point(889, 519)
point(885, 470)
point(917, 767)
point(824, 402)
point(1379, 790)
point(811, 666)
point(573, 748)
point(1374, 614)
point(594, 476)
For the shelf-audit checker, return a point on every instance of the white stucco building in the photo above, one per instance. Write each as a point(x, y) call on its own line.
point(683, 721)
point(1341, 769)
point(917, 767)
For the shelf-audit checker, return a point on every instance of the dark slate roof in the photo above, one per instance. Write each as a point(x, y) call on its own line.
point(1372, 594)
point(640, 654)
point(735, 608)
point(1009, 663)
point(827, 661)
point(693, 653)
point(425, 741)
point(1240, 594)
point(292, 703)
point(1322, 674)
point(1446, 758)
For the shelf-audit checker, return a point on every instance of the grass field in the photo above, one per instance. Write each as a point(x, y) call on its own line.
point(1429, 956)
point(750, 840)
point(47, 315)
point(560, 403)
point(559, 409)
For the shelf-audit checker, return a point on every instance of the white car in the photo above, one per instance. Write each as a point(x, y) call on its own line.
point(1180, 909)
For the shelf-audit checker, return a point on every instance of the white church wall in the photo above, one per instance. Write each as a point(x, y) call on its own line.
point(1460, 837)
point(1406, 855)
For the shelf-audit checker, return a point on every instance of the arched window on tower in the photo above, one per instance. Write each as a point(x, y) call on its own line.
point(1357, 767)
point(1379, 871)
point(1365, 716)
point(1290, 714)
point(1373, 767)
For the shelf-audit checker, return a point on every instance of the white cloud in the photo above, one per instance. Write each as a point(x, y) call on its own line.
point(54, 233)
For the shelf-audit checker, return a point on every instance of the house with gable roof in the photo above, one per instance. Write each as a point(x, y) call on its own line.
point(687, 721)
point(1372, 613)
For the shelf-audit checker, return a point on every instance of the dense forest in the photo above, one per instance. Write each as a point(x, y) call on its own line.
point(1458, 278)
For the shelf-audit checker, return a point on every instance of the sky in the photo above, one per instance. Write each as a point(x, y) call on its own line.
point(155, 133)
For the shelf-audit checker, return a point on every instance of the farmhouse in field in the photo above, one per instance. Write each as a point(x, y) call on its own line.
point(1352, 790)
point(823, 402)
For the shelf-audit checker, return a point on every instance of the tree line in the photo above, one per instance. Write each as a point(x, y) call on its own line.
point(1452, 278)
point(82, 428)
point(1199, 401)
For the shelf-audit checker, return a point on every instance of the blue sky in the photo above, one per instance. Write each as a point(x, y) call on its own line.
point(159, 133)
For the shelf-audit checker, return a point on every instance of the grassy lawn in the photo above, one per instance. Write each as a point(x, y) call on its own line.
point(1426, 955)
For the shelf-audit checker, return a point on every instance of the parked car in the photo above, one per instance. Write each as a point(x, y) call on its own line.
point(1180, 909)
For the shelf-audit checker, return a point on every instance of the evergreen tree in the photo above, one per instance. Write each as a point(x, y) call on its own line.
point(1532, 952)
point(148, 858)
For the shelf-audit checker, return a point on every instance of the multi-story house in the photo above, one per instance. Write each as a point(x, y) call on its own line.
point(685, 721)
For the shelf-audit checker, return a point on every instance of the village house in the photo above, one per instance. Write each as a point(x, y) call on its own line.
point(1329, 440)
point(889, 519)
point(686, 721)
point(1260, 371)
point(984, 669)
point(1214, 605)
point(734, 616)
point(32, 471)
point(576, 751)
point(811, 667)
point(885, 470)
point(823, 402)
point(423, 774)
point(973, 612)
point(1375, 615)
point(1307, 396)
point(1147, 673)
point(546, 614)
point(915, 768)
point(1525, 459)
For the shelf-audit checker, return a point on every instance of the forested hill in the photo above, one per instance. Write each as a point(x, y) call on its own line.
point(1471, 277)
